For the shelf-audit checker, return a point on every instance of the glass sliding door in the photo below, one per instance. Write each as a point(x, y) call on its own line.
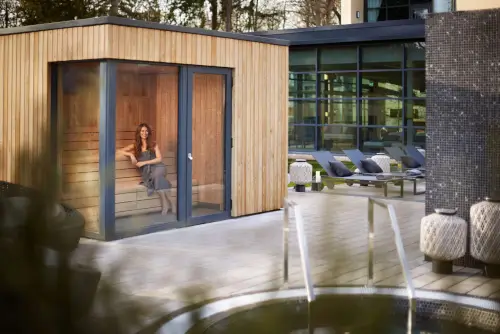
point(208, 143)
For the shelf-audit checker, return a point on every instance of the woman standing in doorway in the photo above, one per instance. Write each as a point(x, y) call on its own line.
point(146, 155)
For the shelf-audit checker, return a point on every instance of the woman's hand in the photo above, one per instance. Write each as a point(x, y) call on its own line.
point(133, 159)
point(141, 163)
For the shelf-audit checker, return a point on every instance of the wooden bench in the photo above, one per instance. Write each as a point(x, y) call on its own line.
point(80, 167)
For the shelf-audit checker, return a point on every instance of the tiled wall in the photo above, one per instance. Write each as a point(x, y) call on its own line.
point(463, 110)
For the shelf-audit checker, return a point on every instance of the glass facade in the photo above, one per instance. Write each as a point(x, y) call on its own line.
point(385, 10)
point(363, 96)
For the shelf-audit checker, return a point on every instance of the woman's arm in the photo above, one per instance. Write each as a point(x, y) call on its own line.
point(156, 160)
point(126, 151)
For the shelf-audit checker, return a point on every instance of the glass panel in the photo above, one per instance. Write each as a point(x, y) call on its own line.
point(337, 112)
point(78, 125)
point(416, 137)
point(415, 55)
point(302, 85)
point(398, 13)
point(381, 57)
point(382, 84)
point(375, 15)
point(382, 112)
point(208, 116)
point(373, 3)
point(415, 112)
point(146, 132)
point(337, 85)
point(373, 140)
point(302, 112)
point(302, 60)
point(337, 138)
point(415, 84)
point(301, 138)
point(396, 2)
point(338, 59)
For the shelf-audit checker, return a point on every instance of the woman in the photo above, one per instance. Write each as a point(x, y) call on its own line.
point(146, 155)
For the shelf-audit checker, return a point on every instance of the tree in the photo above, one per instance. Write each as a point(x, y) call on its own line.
point(315, 13)
point(46, 11)
point(8, 13)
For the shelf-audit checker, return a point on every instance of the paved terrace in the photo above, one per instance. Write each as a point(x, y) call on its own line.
point(245, 254)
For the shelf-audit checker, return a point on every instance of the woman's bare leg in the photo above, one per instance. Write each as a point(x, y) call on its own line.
point(164, 203)
point(169, 200)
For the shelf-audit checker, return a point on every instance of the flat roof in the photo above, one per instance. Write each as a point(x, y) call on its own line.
point(141, 24)
point(351, 33)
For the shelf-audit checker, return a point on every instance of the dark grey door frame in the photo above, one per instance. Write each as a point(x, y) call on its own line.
point(186, 143)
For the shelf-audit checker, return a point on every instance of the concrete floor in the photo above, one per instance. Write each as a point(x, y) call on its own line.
point(245, 254)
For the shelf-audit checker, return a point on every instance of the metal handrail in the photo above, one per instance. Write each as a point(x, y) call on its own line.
point(304, 256)
point(400, 249)
point(304, 253)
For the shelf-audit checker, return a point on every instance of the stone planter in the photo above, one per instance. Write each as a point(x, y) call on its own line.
point(485, 235)
point(301, 174)
point(383, 161)
point(443, 237)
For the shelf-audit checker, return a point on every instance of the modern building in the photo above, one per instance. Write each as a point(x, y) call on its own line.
point(362, 84)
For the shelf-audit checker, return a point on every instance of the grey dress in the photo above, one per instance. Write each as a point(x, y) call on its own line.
point(153, 176)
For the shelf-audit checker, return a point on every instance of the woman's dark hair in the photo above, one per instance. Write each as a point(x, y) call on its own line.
point(138, 140)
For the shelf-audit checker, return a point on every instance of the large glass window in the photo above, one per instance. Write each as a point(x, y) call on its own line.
point(382, 112)
point(415, 55)
point(301, 112)
point(364, 96)
point(337, 138)
point(337, 112)
point(415, 83)
point(379, 57)
point(415, 112)
point(338, 59)
point(382, 84)
point(146, 114)
point(302, 85)
point(78, 124)
point(373, 139)
point(337, 85)
point(301, 137)
point(302, 60)
point(383, 10)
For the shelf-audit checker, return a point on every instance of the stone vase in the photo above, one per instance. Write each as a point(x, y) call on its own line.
point(383, 161)
point(485, 234)
point(301, 174)
point(443, 237)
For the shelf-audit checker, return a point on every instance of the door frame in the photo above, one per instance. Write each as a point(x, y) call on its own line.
point(185, 145)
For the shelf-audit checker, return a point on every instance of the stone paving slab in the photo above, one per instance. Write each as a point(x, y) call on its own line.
point(245, 254)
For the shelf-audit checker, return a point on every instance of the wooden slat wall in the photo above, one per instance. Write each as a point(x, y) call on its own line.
point(260, 95)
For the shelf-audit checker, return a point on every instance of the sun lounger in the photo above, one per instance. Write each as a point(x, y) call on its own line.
point(323, 158)
point(396, 153)
point(356, 156)
point(415, 154)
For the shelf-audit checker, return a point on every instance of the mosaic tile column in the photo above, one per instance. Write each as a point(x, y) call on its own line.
point(463, 111)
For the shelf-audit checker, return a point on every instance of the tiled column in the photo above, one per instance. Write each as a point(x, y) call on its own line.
point(463, 111)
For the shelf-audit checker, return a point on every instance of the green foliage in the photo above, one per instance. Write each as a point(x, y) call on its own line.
point(45, 11)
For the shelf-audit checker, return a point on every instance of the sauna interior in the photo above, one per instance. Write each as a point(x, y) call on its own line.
point(144, 94)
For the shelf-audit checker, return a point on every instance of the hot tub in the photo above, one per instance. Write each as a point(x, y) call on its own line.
point(353, 310)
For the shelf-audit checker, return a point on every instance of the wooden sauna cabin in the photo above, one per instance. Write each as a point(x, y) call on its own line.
point(215, 104)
